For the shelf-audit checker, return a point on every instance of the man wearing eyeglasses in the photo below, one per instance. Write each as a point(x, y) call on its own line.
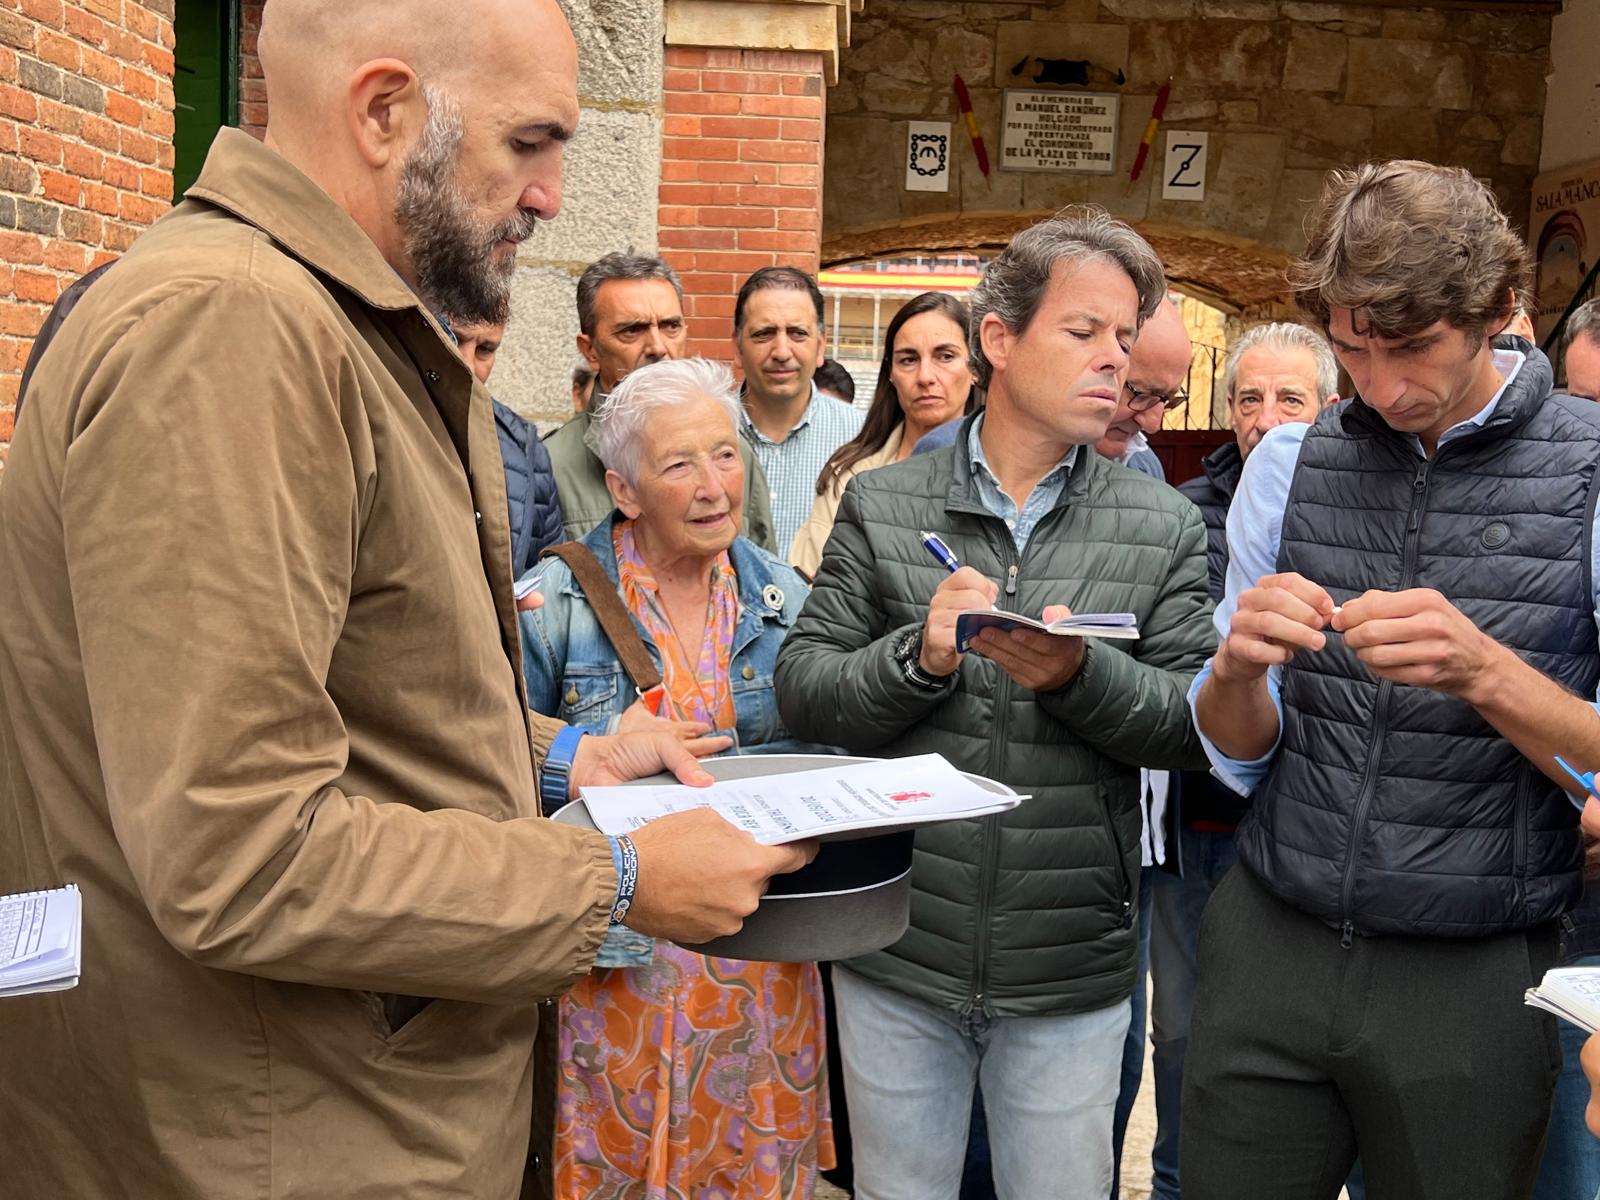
point(1157, 372)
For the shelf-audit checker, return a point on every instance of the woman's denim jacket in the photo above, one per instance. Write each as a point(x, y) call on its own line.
point(573, 672)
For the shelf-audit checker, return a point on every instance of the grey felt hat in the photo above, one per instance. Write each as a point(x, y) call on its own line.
point(853, 898)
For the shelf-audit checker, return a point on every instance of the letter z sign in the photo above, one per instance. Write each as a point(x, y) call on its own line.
point(1184, 175)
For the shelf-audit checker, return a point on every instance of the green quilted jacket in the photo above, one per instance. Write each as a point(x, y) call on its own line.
point(1028, 912)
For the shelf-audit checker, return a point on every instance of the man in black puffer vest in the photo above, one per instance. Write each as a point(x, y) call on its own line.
point(1409, 641)
point(1274, 375)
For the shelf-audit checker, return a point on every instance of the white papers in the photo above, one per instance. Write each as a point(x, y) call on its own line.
point(892, 793)
point(1572, 993)
point(40, 936)
point(969, 622)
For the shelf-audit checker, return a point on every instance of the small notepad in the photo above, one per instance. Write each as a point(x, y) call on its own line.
point(1572, 993)
point(40, 941)
point(970, 622)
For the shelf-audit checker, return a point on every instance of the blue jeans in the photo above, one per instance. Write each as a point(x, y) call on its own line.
point(1571, 1165)
point(1049, 1084)
point(1175, 929)
point(1133, 1045)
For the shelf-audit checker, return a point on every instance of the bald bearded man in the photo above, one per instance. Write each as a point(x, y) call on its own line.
point(260, 695)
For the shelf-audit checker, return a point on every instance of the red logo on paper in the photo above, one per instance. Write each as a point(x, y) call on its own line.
point(909, 797)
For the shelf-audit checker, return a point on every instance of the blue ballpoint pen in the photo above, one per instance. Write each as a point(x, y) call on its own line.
point(934, 546)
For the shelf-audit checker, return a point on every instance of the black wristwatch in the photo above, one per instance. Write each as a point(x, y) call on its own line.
point(908, 653)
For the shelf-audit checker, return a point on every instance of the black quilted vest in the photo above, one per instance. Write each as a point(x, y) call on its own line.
point(1394, 809)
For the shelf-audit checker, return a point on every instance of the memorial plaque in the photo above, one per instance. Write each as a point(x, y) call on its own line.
point(1059, 131)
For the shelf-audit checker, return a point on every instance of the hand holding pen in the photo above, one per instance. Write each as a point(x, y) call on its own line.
point(964, 588)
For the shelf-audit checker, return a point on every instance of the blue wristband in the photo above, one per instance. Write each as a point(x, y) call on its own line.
point(556, 773)
point(627, 859)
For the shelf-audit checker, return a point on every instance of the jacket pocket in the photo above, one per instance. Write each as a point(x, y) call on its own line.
point(755, 707)
point(1128, 894)
point(588, 700)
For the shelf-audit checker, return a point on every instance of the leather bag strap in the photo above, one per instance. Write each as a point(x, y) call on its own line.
point(609, 610)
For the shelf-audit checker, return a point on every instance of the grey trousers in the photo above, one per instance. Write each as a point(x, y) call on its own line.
point(1418, 1053)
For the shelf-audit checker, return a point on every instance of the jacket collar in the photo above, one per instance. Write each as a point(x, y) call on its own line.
point(1518, 402)
point(963, 497)
point(1223, 466)
point(261, 187)
point(761, 591)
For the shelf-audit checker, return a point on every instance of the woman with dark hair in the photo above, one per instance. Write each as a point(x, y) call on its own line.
point(925, 379)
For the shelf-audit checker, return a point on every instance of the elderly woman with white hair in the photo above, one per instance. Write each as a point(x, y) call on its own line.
point(679, 1074)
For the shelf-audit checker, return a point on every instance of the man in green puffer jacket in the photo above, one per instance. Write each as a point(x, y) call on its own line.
point(1020, 957)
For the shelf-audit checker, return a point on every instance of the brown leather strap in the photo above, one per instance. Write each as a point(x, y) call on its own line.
point(610, 612)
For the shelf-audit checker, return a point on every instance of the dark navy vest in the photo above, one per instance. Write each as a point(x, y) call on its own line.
point(1395, 809)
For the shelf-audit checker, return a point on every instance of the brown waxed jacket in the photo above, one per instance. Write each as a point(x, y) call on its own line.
point(260, 700)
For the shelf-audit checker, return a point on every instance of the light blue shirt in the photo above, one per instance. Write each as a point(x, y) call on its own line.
point(1040, 501)
point(1255, 533)
point(794, 464)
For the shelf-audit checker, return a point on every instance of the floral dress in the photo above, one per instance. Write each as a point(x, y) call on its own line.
point(691, 1078)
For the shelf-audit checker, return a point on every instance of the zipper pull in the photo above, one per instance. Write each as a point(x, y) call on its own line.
point(1127, 915)
point(1011, 580)
point(1347, 935)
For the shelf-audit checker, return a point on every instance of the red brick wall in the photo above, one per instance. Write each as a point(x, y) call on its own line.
point(741, 176)
point(252, 87)
point(85, 151)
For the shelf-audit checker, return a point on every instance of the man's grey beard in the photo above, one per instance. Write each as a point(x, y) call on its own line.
point(452, 253)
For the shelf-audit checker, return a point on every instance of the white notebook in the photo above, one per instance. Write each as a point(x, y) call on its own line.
point(1572, 993)
point(40, 941)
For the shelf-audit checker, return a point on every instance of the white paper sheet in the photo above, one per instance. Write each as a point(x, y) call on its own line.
point(802, 804)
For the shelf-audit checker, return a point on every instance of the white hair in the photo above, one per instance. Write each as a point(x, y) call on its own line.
point(1284, 335)
point(614, 431)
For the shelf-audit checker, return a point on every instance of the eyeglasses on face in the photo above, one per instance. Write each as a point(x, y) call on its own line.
point(1140, 400)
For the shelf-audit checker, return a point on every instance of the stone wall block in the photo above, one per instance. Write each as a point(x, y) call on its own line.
point(1513, 32)
point(1003, 189)
point(1154, 55)
point(1512, 84)
point(844, 97)
point(1183, 111)
point(535, 364)
point(853, 193)
point(1241, 10)
point(1425, 23)
point(1104, 45)
point(619, 49)
point(613, 168)
point(1480, 128)
point(1355, 20)
point(885, 94)
point(960, 51)
point(893, 53)
point(1521, 148)
point(1237, 55)
point(1323, 126)
point(1297, 192)
point(1153, 10)
point(1412, 133)
point(1315, 59)
point(1409, 74)
point(925, 10)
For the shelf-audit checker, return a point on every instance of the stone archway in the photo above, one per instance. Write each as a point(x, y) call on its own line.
point(1244, 277)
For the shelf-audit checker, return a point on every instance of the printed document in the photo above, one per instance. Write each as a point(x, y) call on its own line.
point(796, 805)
